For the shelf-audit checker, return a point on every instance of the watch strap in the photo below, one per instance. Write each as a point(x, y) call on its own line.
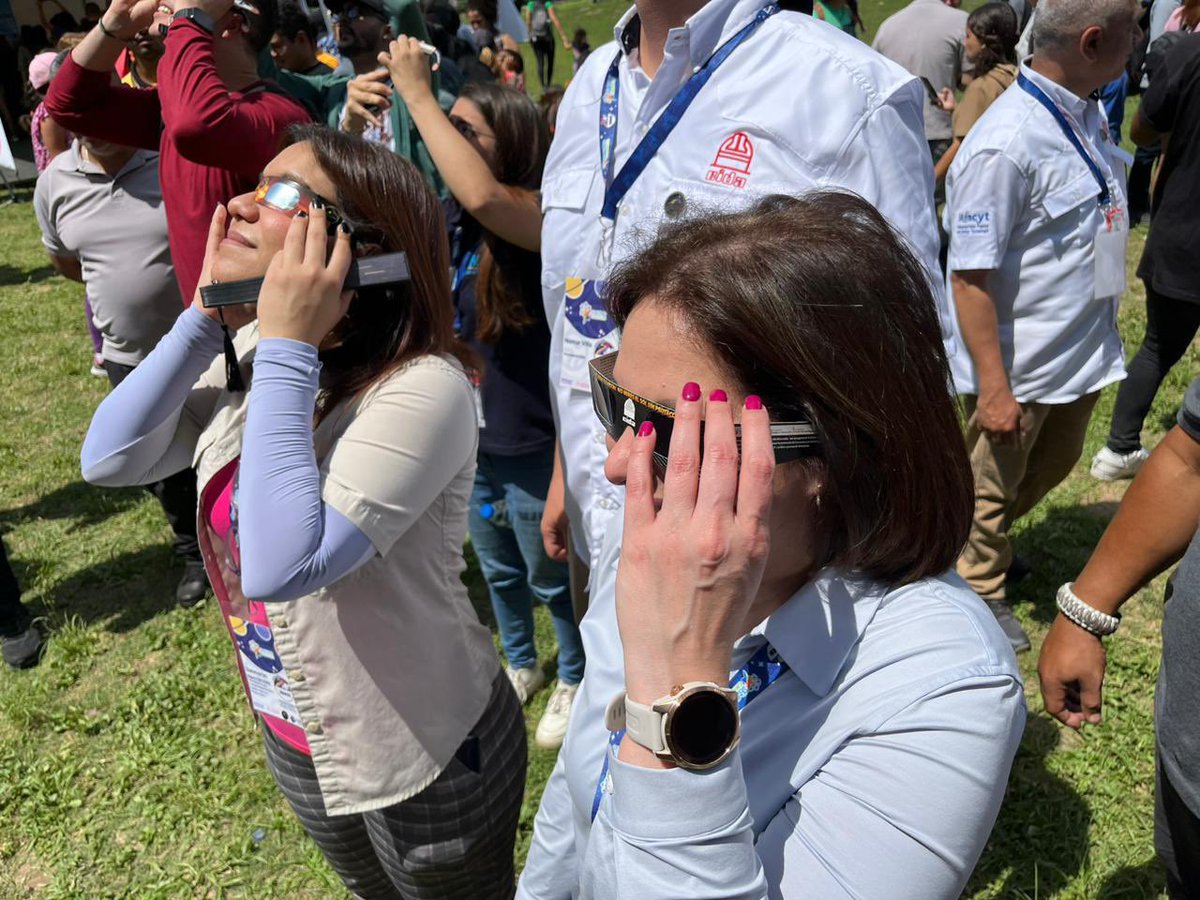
point(197, 15)
point(644, 724)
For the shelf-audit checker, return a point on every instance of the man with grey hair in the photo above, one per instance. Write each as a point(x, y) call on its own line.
point(1037, 218)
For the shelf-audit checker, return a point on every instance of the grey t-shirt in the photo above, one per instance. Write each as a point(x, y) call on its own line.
point(926, 37)
point(116, 228)
point(1177, 699)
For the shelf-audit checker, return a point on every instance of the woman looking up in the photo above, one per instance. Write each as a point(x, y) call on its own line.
point(490, 151)
point(333, 507)
point(991, 46)
point(791, 583)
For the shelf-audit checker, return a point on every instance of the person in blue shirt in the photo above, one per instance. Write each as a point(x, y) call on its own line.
point(836, 710)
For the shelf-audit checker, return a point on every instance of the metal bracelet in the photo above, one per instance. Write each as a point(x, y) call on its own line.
point(1086, 617)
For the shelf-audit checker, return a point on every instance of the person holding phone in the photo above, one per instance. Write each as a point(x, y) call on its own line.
point(334, 444)
point(492, 149)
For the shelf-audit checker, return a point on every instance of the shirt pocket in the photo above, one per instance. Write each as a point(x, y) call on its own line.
point(565, 198)
point(1073, 196)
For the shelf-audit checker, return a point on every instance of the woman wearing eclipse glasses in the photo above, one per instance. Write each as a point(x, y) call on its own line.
point(789, 692)
point(335, 457)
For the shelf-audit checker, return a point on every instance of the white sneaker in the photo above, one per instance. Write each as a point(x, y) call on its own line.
point(1108, 465)
point(553, 727)
point(526, 682)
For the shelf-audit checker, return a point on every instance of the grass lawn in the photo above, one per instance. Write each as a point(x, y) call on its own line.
point(128, 763)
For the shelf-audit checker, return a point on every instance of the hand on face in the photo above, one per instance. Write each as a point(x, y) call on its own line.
point(302, 297)
point(409, 67)
point(690, 570)
point(232, 316)
point(125, 18)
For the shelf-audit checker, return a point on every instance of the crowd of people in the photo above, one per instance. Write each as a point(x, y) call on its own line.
point(753, 344)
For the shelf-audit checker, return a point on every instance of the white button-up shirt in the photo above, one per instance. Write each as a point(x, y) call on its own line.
point(1022, 203)
point(797, 106)
point(873, 768)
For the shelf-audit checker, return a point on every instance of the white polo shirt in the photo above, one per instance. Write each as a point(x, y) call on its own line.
point(797, 106)
point(1021, 202)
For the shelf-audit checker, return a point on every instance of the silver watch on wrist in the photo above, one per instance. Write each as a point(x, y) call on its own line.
point(1086, 617)
point(696, 726)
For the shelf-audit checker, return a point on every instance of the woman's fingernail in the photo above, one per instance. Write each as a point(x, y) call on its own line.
point(345, 228)
point(691, 391)
point(753, 401)
point(717, 396)
point(302, 215)
point(646, 429)
point(317, 204)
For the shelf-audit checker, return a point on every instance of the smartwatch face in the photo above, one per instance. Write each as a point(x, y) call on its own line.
point(702, 728)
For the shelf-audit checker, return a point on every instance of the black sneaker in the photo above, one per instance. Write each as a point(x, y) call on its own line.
point(193, 586)
point(24, 651)
point(1009, 625)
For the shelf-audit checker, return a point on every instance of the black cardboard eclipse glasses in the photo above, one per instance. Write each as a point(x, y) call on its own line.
point(618, 409)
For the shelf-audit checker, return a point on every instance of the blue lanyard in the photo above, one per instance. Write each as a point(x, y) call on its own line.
point(615, 189)
point(1033, 90)
point(759, 673)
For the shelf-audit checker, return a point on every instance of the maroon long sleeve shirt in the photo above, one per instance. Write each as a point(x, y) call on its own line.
point(212, 142)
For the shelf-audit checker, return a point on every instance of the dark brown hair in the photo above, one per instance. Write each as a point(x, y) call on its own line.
point(995, 25)
point(819, 307)
point(522, 141)
point(385, 199)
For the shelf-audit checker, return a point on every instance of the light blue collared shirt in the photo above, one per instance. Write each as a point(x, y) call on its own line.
point(874, 768)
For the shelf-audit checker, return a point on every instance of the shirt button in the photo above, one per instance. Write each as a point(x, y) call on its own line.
point(676, 205)
point(297, 677)
point(313, 728)
point(279, 622)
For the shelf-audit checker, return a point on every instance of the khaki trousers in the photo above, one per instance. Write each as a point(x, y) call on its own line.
point(1011, 479)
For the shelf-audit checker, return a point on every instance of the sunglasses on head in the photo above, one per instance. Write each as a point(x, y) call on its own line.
point(287, 196)
point(618, 409)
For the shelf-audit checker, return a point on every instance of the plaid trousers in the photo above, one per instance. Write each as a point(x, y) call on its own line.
point(452, 841)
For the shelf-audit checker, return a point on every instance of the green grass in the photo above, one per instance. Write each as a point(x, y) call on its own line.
point(128, 764)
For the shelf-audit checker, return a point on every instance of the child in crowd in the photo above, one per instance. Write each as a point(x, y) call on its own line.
point(510, 69)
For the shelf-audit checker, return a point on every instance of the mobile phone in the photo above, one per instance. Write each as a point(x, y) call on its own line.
point(931, 91)
point(366, 271)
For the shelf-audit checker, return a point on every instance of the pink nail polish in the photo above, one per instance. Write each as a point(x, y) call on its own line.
point(691, 391)
point(753, 401)
point(717, 396)
point(646, 429)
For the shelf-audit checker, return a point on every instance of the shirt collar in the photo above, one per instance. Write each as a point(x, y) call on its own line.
point(79, 164)
point(707, 29)
point(1070, 103)
point(815, 630)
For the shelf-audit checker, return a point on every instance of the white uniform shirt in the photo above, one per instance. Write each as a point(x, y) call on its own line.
point(797, 106)
point(1022, 203)
point(873, 768)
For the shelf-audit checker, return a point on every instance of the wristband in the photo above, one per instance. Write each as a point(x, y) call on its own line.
point(108, 34)
point(197, 15)
point(1086, 617)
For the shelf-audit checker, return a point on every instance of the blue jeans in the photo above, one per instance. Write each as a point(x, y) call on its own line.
point(515, 564)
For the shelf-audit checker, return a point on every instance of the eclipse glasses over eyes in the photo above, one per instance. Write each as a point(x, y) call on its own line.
point(290, 197)
point(618, 409)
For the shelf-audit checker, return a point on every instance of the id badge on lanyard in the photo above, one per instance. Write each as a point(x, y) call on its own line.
point(588, 328)
point(1111, 243)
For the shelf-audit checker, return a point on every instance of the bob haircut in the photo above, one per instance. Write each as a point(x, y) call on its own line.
point(819, 307)
point(387, 202)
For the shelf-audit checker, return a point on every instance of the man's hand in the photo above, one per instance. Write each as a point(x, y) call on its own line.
point(998, 414)
point(1071, 672)
point(125, 18)
point(367, 98)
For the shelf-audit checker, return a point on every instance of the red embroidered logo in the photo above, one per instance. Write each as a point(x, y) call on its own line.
point(732, 163)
